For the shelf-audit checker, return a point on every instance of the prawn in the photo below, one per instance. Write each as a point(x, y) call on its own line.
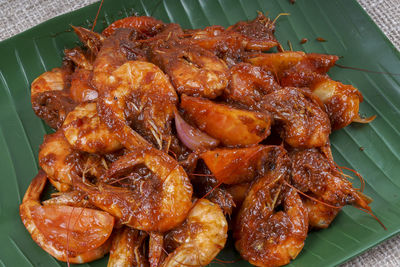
point(193, 70)
point(60, 161)
point(157, 202)
point(200, 238)
point(145, 25)
point(265, 237)
point(85, 132)
point(315, 172)
point(143, 97)
point(92, 40)
point(156, 249)
point(81, 89)
point(114, 52)
point(234, 43)
point(301, 120)
point(84, 238)
point(49, 99)
point(340, 101)
point(248, 84)
point(127, 248)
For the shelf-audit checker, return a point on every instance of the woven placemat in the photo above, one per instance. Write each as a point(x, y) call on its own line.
point(19, 15)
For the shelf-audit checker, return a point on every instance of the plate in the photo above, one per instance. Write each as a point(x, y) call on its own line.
point(373, 149)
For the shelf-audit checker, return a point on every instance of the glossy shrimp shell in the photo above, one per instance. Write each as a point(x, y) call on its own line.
point(76, 235)
point(201, 237)
point(156, 205)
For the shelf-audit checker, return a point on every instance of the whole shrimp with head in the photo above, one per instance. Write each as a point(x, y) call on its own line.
point(61, 161)
point(141, 96)
point(264, 236)
point(71, 234)
point(157, 200)
point(199, 239)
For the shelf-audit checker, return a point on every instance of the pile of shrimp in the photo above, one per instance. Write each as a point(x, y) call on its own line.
point(167, 138)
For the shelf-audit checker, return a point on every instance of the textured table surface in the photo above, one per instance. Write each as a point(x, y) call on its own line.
point(19, 15)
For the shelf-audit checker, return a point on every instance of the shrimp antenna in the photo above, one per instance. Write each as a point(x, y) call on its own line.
point(312, 198)
point(280, 14)
point(97, 15)
point(373, 216)
point(365, 70)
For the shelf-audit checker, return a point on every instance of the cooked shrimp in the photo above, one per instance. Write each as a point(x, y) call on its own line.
point(200, 238)
point(314, 172)
point(115, 51)
point(143, 97)
point(248, 84)
point(233, 44)
point(81, 89)
point(233, 127)
point(301, 120)
point(127, 248)
point(257, 34)
point(60, 161)
point(293, 61)
point(49, 100)
point(71, 198)
point(157, 202)
point(319, 215)
point(156, 249)
point(277, 63)
point(193, 70)
point(92, 40)
point(340, 101)
point(76, 235)
point(146, 26)
point(79, 58)
point(266, 237)
point(84, 131)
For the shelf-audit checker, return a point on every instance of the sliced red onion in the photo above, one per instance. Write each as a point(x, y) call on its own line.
point(192, 137)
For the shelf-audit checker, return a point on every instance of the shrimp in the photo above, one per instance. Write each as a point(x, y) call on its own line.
point(340, 101)
point(319, 215)
point(80, 89)
point(146, 26)
point(193, 70)
point(156, 249)
point(79, 58)
point(49, 99)
point(92, 40)
point(234, 43)
point(257, 34)
point(233, 127)
point(60, 161)
point(313, 171)
point(143, 97)
point(265, 237)
point(248, 84)
point(127, 248)
point(200, 238)
point(301, 120)
point(76, 235)
point(84, 131)
point(156, 202)
point(115, 51)
point(70, 198)
point(293, 61)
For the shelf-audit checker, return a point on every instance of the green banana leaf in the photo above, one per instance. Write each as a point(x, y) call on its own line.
point(372, 149)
